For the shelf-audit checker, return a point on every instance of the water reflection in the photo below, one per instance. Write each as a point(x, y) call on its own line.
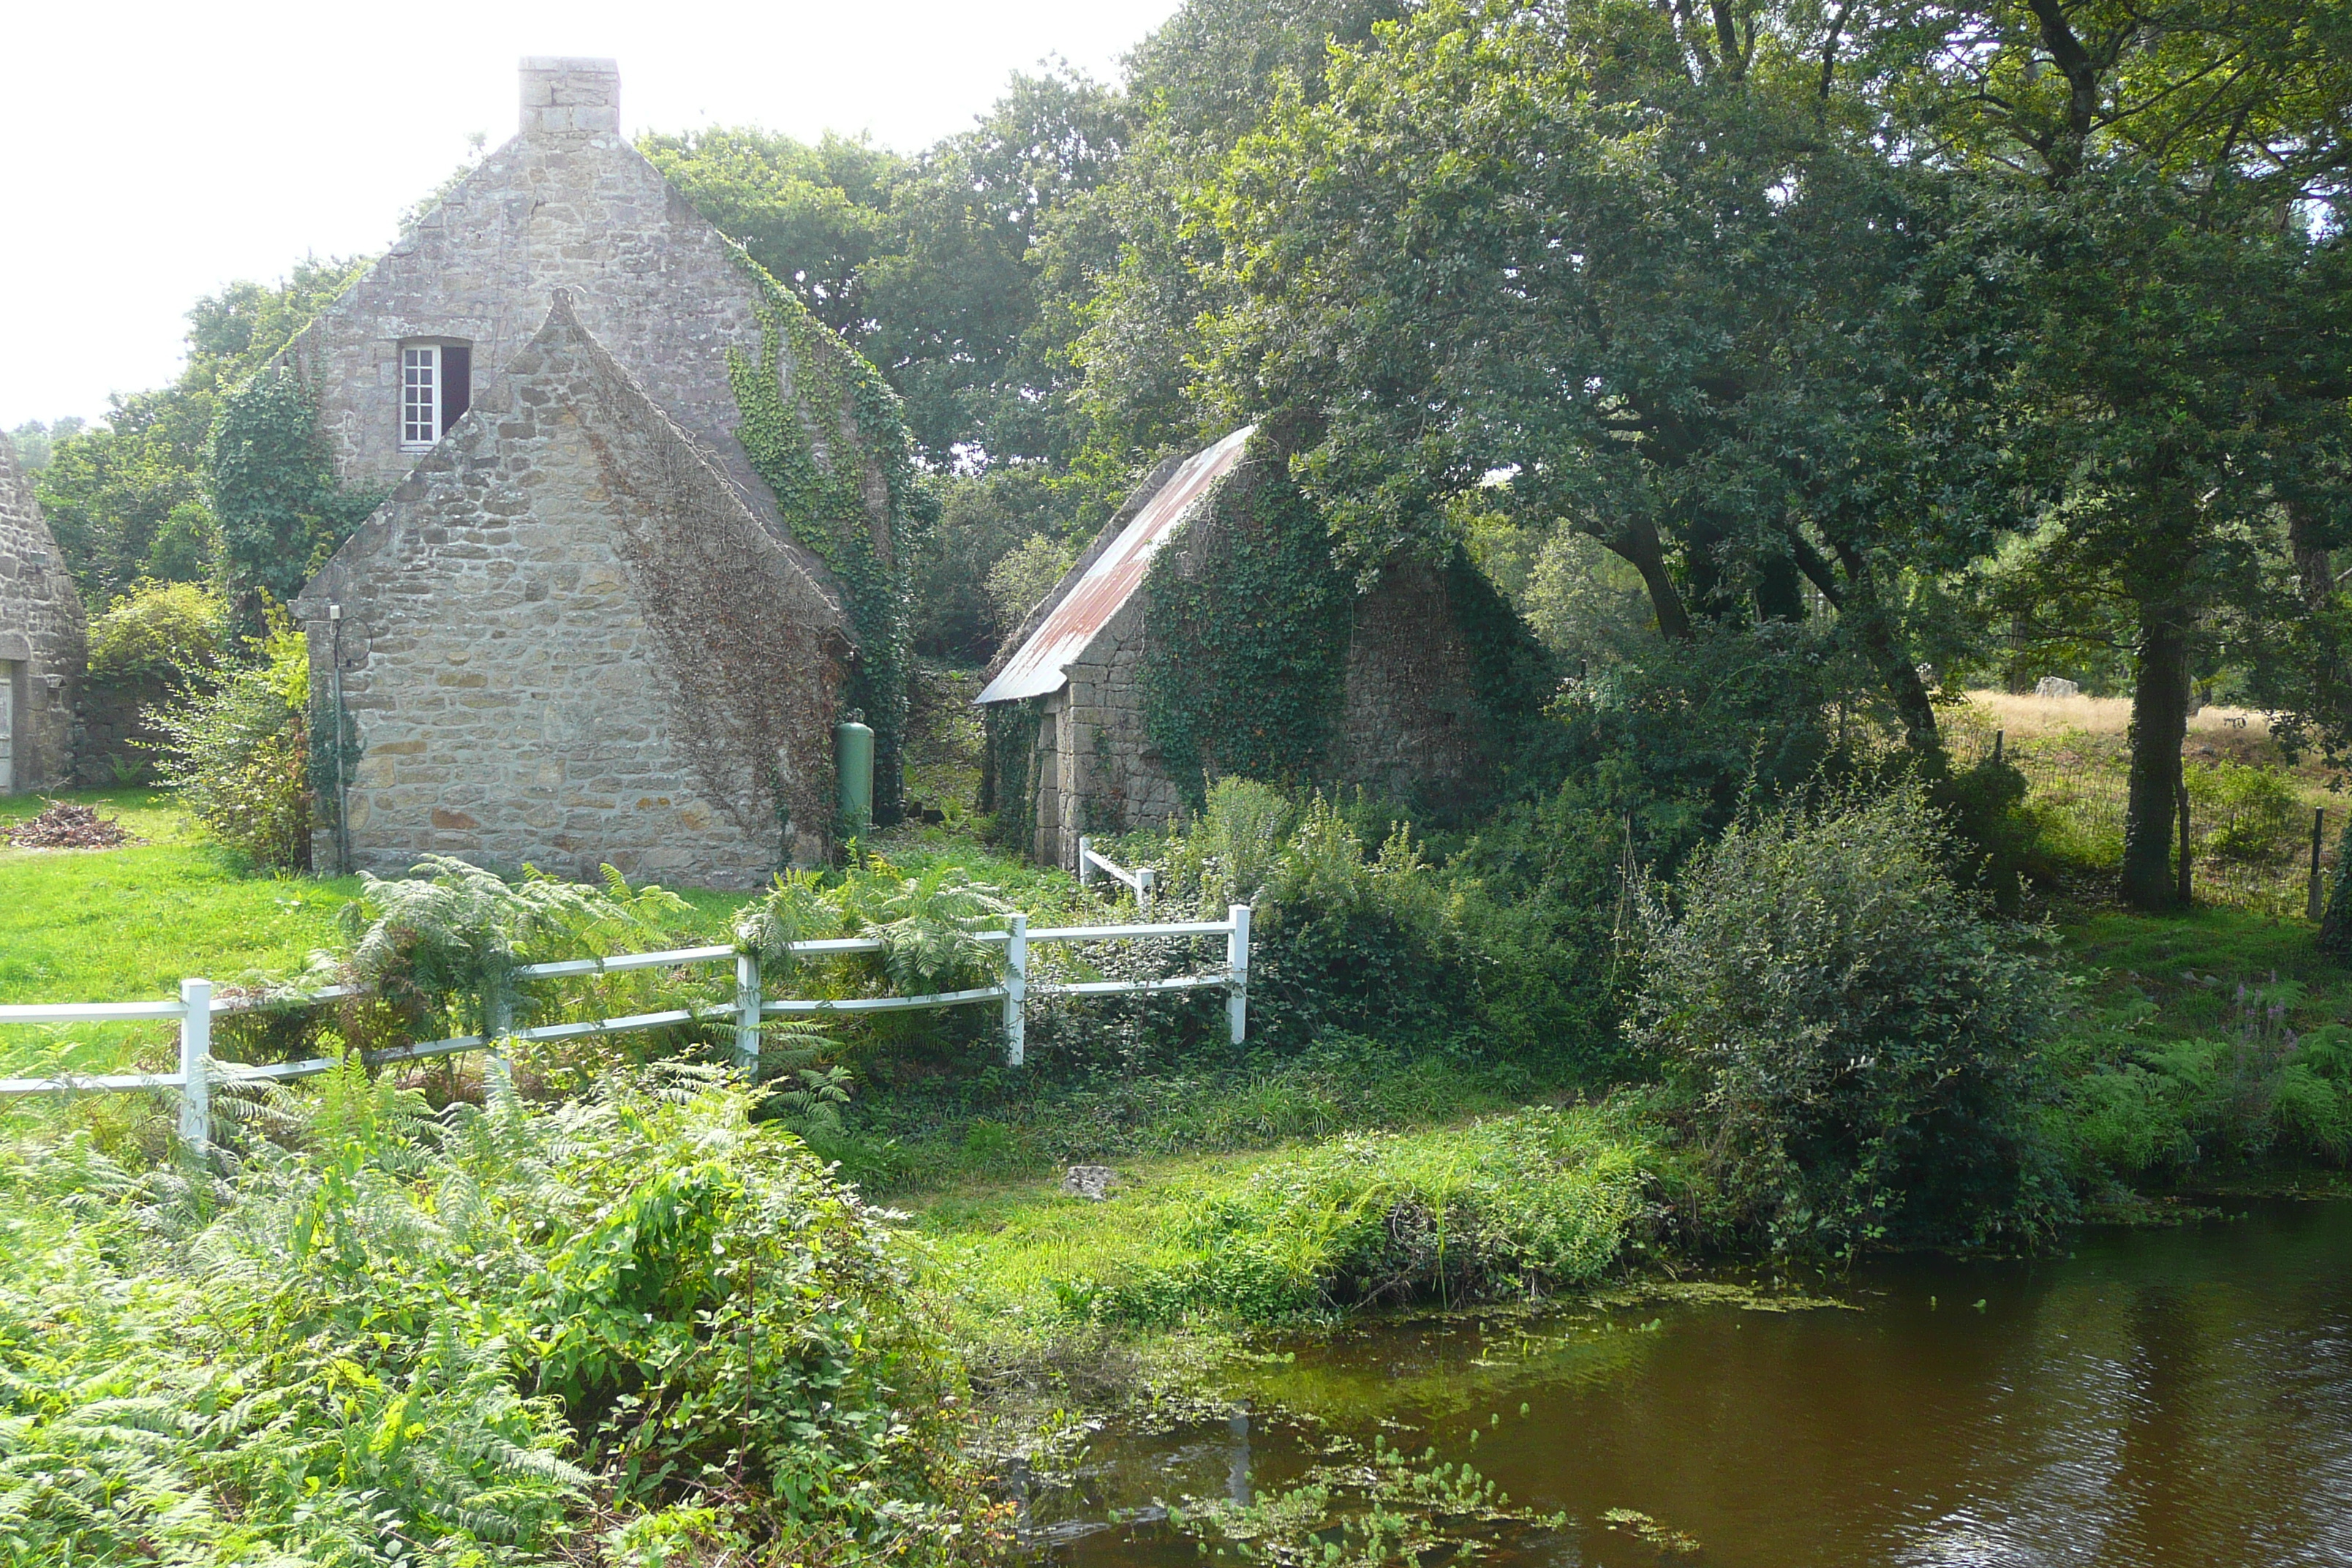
point(2175, 1397)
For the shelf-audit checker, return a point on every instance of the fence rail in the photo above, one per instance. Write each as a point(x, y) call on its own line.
point(197, 1006)
point(1143, 881)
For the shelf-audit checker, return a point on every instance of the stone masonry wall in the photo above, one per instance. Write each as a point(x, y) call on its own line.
point(567, 642)
point(1411, 729)
point(567, 203)
point(1108, 773)
point(42, 636)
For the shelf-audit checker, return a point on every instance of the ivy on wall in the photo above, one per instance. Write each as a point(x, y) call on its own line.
point(1247, 627)
point(1513, 676)
point(820, 425)
point(1009, 770)
point(1245, 635)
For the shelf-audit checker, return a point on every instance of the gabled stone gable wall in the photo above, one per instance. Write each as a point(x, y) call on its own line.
point(567, 203)
point(1410, 728)
point(567, 642)
point(42, 635)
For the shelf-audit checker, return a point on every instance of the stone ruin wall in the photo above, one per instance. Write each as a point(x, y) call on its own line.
point(42, 635)
point(565, 641)
point(1409, 730)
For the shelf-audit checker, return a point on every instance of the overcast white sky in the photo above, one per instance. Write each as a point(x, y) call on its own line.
point(155, 152)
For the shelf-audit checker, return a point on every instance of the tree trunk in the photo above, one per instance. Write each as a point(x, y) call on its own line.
point(1859, 607)
point(2160, 723)
point(2314, 572)
point(1637, 544)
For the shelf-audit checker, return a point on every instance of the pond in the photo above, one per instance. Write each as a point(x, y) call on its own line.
point(2172, 1396)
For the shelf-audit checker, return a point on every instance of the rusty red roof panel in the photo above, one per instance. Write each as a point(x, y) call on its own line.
point(1087, 605)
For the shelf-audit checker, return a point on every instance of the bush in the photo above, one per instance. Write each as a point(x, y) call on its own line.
point(2255, 815)
point(170, 633)
point(461, 1340)
point(240, 754)
point(982, 519)
point(1849, 1037)
point(1022, 578)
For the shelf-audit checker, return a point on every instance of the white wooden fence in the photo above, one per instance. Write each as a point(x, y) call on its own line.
point(1143, 881)
point(197, 1006)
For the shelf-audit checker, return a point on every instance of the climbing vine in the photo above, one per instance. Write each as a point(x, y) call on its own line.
point(1247, 625)
point(819, 425)
point(273, 488)
point(1245, 636)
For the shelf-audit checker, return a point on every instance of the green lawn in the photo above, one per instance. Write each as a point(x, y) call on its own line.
point(128, 924)
point(122, 925)
point(2188, 968)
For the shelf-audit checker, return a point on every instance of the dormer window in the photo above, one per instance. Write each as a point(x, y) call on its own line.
point(436, 387)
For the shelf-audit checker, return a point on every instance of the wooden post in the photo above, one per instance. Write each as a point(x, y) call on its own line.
point(196, 1065)
point(1237, 972)
point(2315, 897)
point(747, 1015)
point(1016, 993)
point(1996, 735)
point(2184, 846)
point(498, 1023)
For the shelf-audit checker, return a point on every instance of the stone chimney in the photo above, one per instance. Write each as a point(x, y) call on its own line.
point(564, 97)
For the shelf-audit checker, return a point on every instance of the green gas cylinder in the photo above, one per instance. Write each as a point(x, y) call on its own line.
point(853, 759)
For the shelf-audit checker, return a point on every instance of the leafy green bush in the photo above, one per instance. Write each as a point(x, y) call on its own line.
point(1849, 1037)
point(170, 633)
point(239, 754)
point(463, 1340)
point(1022, 577)
point(440, 947)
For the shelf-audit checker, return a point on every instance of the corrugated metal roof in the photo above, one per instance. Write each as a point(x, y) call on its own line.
point(1087, 605)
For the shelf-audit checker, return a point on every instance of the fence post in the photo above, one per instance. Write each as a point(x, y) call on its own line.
point(747, 1015)
point(1086, 869)
point(1147, 882)
point(497, 1022)
point(196, 1065)
point(1237, 972)
point(2184, 846)
point(2315, 897)
point(1016, 993)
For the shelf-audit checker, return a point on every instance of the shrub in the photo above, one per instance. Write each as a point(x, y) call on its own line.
point(1849, 1037)
point(240, 754)
point(2136, 1107)
point(2256, 816)
point(457, 1340)
point(1023, 576)
point(170, 633)
point(440, 946)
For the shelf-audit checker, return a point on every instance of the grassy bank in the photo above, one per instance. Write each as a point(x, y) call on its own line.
point(1521, 1204)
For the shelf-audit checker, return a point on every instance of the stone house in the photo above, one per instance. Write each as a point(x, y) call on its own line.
point(42, 642)
point(582, 628)
point(1434, 670)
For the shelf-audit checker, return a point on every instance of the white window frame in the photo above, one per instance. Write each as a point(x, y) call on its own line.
point(420, 415)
